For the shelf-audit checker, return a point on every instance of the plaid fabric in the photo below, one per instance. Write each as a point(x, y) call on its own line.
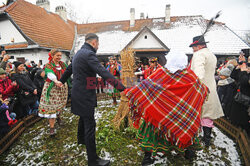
point(170, 102)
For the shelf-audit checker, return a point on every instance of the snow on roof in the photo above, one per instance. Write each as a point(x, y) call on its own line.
point(222, 40)
point(111, 42)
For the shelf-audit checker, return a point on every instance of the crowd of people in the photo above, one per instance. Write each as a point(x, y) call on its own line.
point(233, 76)
point(30, 89)
point(24, 90)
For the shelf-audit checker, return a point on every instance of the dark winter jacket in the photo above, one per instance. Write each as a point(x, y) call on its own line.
point(85, 66)
point(39, 83)
point(66, 75)
point(226, 91)
point(33, 72)
point(6, 89)
point(26, 88)
point(239, 115)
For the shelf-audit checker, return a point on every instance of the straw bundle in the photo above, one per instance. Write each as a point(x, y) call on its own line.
point(128, 79)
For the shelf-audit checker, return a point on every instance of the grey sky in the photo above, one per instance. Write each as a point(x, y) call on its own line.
point(235, 13)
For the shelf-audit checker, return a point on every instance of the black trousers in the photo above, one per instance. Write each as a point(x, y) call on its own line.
point(86, 135)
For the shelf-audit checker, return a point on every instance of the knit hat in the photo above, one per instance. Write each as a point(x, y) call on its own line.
point(2, 71)
point(17, 63)
point(225, 72)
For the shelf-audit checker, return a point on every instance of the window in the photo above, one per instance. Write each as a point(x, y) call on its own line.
point(145, 37)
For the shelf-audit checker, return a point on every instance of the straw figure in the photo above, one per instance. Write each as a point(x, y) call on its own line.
point(128, 79)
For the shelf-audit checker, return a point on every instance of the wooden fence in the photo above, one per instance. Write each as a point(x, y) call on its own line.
point(16, 131)
point(238, 135)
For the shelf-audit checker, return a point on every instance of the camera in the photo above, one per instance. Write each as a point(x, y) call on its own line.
point(240, 63)
point(246, 52)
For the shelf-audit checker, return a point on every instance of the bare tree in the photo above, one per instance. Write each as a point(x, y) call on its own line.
point(75, 15)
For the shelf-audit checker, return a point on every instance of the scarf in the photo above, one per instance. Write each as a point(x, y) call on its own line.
point(226, 81)
point(170, 102)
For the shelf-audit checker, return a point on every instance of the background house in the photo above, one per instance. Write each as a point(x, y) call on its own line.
point(30, 31)
point(156, 36)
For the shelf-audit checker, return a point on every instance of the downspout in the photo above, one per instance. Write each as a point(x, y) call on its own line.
point(74, 43)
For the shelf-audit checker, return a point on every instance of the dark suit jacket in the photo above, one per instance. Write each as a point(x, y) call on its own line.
point(85, 65)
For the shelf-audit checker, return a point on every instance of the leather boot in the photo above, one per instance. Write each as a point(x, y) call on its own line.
point(207, 135)
point(147, 160)
point(114, 101)
point(59, 120)
point(99, 162)
point(189, 154)
point(52, 132)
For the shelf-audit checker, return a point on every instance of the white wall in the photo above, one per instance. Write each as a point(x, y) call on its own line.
point(35, 56)
point(150, 42)
point(9, 31)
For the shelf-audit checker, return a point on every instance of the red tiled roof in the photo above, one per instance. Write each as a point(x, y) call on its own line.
point(115, 25)
point(16, 46)
point(44, 28)
point(125, 25)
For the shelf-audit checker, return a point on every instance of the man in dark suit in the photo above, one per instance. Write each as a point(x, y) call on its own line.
point(84, 67)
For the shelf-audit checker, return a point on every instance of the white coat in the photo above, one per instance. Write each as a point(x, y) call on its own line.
point(204, 64)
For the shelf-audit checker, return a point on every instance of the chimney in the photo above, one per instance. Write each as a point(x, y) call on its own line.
point(167, 14)
point(142, 16)
point(44, 4)
point(132, 17)
point(62, 12)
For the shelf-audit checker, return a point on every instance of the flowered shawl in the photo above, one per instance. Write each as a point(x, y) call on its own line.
point(170, 102)
point(51, 68)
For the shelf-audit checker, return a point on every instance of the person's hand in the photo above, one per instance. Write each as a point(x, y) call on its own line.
point(6, 58)
point(6, 101)
point(14, 83)
point(59, 84)
point(123, 96)
point(3, 53)
point(242, 58)
point(35, 92)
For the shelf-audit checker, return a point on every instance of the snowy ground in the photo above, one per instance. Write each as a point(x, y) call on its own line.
point(35, 147)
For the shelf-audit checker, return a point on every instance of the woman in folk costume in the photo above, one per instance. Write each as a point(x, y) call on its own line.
point(54, 97)
point(169, 104)
point(114, 68)
point(153, 66)
point(203, 64)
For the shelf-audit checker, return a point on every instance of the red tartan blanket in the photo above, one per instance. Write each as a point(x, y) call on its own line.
point(170, 102)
